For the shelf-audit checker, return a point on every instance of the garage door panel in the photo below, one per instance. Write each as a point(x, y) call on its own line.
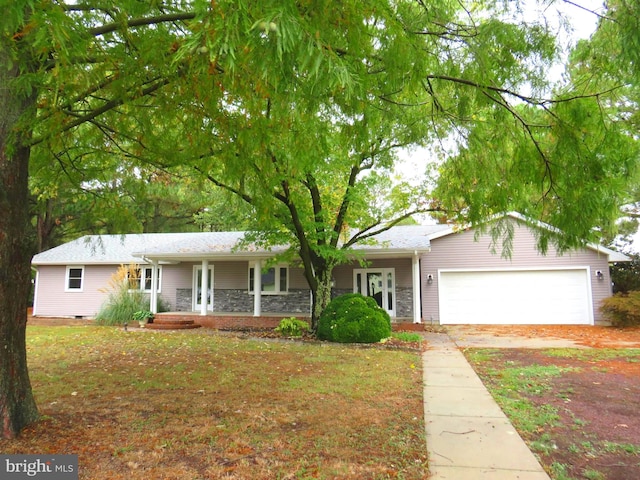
point(515, 297)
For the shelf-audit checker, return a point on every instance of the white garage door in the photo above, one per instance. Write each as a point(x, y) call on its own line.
point(515, 297)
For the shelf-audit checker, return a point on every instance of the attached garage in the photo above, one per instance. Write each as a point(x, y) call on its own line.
point(551, 296)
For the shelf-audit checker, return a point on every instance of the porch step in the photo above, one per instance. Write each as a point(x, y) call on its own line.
point(171, 323)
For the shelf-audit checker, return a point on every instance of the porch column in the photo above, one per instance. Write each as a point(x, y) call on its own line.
point(153, 303)
point(415, 271)
point(257, 288)
point(204, 288)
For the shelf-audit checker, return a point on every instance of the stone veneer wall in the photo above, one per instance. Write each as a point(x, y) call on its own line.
point(296, 301)
point(184, 299)
point(404, 302)
point(336, 292)
point(239, 301)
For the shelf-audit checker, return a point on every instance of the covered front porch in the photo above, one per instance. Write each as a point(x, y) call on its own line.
point(393, 282)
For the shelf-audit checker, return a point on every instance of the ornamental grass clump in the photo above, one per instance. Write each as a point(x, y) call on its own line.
point(354, 318)
point(125, 297)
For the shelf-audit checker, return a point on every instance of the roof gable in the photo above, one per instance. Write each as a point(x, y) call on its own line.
point(612, 254)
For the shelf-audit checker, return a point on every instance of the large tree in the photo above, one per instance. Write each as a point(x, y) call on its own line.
point(294, 107)
point(299, 110)
point(61, 66)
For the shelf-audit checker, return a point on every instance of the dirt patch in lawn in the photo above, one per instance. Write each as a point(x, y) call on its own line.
point(592, 400)
point(583, 335)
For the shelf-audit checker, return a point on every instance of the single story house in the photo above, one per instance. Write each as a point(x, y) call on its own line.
point(432, 274)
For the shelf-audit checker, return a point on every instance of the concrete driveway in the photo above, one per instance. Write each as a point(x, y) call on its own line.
point(470, 336)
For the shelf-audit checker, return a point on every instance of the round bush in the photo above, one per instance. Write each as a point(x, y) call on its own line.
point(354, 318)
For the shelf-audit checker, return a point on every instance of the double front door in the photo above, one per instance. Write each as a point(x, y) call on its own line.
point(379, 284)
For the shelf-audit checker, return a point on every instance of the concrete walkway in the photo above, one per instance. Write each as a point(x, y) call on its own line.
point(468, 435)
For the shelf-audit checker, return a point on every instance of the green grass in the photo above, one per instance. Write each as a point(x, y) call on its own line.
point(407, 336)
point(594, 354)
point(154, 404)
point(613, 447)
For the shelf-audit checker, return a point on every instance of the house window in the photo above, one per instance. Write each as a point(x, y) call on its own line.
point(274, 280)
point(145, 279)
point(73, 282)
point(141, 279)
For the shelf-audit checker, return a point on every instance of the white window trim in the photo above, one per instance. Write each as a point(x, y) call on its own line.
point(66, 278)
point(143, 269)
point(277, 280)
point(141, 280)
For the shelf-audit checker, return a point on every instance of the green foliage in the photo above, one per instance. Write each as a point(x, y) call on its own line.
point(124, 302)
point(625, 276)
point(623, 309)
point(533, 171)
point(292, 327)
point(354, 318)
point(142, 316)
point(120, 307)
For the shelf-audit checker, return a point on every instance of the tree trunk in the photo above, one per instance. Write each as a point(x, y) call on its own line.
point(321, 295)
point(17, 405)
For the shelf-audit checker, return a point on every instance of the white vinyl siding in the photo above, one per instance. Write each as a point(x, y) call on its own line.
point(54, 300)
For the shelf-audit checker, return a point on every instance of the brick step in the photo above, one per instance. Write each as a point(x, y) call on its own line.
point(171, 326)
point(166, 320)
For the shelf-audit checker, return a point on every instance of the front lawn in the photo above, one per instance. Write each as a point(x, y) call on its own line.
point(196, 405)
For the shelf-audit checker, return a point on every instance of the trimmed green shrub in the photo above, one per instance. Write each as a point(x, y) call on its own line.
point(623, 309)
point(354, 318)
point(292, 327)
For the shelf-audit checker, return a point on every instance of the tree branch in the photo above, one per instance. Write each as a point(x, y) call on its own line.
point(247, 198)
point(524, 98)
point(316, 201)
point(372, 230)
point(140, 22)
point(344, 206)
point(110, 105)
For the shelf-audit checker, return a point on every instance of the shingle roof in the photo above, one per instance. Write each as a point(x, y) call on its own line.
point(117, 249)
point(106, 249)
point(403, 237)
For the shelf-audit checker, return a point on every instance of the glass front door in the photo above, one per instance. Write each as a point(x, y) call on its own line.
point(378, 284)
point(198, 290)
